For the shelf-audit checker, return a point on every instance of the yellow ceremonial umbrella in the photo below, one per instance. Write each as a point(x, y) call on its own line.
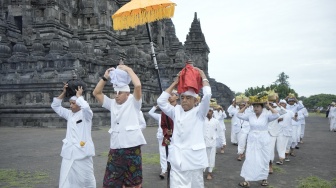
point(139, 12)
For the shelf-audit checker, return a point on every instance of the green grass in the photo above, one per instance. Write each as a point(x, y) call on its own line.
point(21, 179)
point(151, 158)
point(279, 170)
point(316, 182)
point(315, 114)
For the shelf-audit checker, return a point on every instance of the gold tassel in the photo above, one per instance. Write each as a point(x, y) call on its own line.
point(128, 20)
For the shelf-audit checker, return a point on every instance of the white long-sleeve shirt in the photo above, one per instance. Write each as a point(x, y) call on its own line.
point(157, 117)
point(187, 150)
point(212, 130)
point(220, 116)
point(304, 113)
point(79, 127)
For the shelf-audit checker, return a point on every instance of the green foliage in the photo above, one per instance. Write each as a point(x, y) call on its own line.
point(280, 86)
point(282, 90)
point(314, 182)
point(15, 178)
point(282, 80)
point(320, 100)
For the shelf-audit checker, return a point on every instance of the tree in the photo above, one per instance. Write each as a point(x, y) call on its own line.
point(280, 86)
point(320, 100)
point(282, 79)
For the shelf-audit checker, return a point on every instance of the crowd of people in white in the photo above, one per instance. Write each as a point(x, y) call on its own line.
point(259, 130)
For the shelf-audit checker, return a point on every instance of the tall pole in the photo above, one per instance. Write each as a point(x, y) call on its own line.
point(159, 80)
point(153, 55)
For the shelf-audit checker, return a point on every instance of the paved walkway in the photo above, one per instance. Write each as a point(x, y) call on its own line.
point(37, 149)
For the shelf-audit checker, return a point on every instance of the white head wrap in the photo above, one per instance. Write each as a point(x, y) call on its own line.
point(190, 92)
point(120, 80)
point(211, 109)
point(73, 98)
point(283, 101)
point(175, 92)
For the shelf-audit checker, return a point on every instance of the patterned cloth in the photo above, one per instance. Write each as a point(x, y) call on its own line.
point(124, 167)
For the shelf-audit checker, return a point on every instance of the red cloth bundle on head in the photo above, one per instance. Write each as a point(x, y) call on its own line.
point(189, 78)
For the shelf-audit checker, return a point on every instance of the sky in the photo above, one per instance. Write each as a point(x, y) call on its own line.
point(252, 41)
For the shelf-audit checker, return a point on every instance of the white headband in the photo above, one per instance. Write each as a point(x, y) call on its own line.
point(73, 98)
point(190, 92)
point(283, 101)
point(125, 88)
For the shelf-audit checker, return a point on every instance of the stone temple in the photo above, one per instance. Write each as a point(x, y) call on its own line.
point(44, 43)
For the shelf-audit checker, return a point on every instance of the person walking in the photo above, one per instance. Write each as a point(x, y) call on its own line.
point(159, 136)
point(304, 113)
point(78, 148)
point(220, 115)
point(256, 164)
point(187, 150)
point(212, 130)
point(124, 164)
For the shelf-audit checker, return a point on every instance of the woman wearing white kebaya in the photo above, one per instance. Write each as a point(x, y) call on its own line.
point(255, 166)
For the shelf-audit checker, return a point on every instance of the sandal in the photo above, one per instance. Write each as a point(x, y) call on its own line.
point(292, 154)
point(279, 162)
point(264, 183)
point(244, 184)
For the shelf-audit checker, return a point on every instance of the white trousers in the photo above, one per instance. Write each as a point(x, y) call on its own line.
point(211, 153)
point(163, 157)
point(303, 127)
point(332, 122)
point(298, 133)
point(187, 179)
point(242, 139)
point(77, 173)
point(234, 137)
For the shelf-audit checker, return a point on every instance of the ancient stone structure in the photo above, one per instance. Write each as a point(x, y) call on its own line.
point(44, 41)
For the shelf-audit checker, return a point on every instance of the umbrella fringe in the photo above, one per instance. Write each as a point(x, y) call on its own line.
point(121, 22)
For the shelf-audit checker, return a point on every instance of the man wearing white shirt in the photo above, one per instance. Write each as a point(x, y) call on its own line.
point(232, 110)
point(78, 148)
point(124, 165)
point(187, 150)
point(240, 128)
point(284, 136)
point(220, 115)
point(212, 129)
point(304, 113)
point(159, 136)
point(274, 130)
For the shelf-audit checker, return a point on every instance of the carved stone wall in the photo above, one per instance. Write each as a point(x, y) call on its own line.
point(43, 41)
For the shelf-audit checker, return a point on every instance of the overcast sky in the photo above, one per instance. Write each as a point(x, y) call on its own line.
point(252, 41)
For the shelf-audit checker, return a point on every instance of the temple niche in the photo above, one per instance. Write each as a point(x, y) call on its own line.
point(43, 42)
